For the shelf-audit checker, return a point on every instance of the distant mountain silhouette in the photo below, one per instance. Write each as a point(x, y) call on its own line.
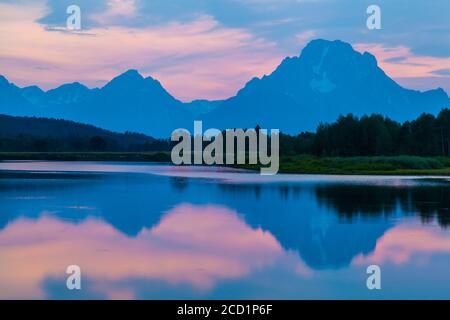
point(128, 102)
point(67, 94)
point(329, 78)
point(13, 100)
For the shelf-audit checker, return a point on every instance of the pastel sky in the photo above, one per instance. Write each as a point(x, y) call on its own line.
point(211, 48)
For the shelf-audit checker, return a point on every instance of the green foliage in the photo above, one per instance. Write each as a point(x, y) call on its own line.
point(365, 165)
point(374, 135)
point(28, 134)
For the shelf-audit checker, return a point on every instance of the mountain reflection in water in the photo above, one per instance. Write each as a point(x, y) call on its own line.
point(163, 235)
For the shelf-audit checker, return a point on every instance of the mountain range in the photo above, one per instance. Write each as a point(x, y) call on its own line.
point(327, 79)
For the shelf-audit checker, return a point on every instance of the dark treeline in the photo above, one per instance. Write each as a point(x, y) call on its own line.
point(374, 135)
point(78, 143)
point(353, 201)
point(349, 136)
point(29, 134)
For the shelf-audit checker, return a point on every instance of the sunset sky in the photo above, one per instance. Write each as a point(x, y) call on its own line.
point(211, 48)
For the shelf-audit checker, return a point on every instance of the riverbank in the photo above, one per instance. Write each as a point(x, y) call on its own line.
point(88, 156)
point(304, 164)
point(397, 165)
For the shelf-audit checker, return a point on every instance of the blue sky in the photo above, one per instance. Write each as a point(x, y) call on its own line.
point(210, 48)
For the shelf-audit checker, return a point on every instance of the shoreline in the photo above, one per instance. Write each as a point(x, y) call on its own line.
point(157, 157)
point(300, 164)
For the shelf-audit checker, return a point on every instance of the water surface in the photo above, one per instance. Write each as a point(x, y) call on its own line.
point(158, 231)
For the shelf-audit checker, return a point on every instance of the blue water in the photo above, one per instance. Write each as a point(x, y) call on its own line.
point(141, 231)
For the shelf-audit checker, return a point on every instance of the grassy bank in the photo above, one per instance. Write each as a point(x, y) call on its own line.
point(401, 165)
point(398, 165)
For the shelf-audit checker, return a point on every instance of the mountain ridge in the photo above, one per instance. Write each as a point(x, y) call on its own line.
point(327, 79)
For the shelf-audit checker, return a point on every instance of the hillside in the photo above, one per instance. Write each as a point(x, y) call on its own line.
point(43, 134)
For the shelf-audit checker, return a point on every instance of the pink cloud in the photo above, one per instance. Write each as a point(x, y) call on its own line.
point(400, 244)
point(407, 68)
point(116, 9)
point(197, 59)
point(194, 245)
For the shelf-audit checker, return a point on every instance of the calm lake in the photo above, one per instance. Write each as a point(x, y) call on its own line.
point(161, 232)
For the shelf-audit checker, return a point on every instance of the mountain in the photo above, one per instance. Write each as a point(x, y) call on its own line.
point(327, 79)
point(128, 102)
point(33, 94)
point(198, 108)
point(67, 94)
point(132, 101)
point(12, 99)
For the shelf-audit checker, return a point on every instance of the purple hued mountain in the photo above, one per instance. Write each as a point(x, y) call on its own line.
point(327, 79)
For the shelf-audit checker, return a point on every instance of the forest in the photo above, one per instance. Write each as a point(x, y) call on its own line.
point(348, 136)
point(374, 135)
point(30, 134)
